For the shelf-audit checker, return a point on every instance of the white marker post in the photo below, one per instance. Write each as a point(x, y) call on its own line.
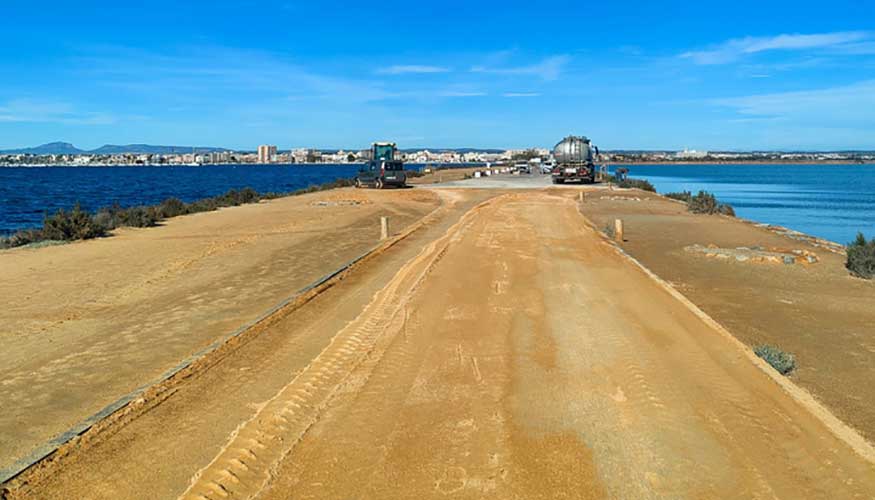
point(384, 228)
point(618, 230)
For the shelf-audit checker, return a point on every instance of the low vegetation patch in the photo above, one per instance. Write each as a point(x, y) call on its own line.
point(78, 224)
point(642, 184)
point(702, 203)
point(630, 183)
point(861, 257)
point(684, 196)
point(778, 359)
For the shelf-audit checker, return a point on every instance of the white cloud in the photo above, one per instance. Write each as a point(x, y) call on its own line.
point(521, 94)
point(737, 48)
point(859, 49)
point(36, 111)
point(847, 104)
point(204, 72)
point(412, 68)
point(549, 69)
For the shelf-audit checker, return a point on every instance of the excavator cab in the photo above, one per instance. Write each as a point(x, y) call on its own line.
point(382, 169)
point(383, 151)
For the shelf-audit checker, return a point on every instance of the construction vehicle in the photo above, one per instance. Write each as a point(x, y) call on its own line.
point(384, 168)
point(575, 158)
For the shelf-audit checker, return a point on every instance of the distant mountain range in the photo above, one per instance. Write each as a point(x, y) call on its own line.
point(65, 148)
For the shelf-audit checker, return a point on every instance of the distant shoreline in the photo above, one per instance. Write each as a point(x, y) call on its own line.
point(164, 165)
point(460, 165)
point(739, 162)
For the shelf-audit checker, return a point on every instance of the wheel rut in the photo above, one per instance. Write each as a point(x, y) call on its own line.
point(247, 462)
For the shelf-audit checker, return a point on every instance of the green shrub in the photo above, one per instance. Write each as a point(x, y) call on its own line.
point(76, 224)
point(684, 196)
point(139, 217)
point(861, 257)
point(703, 203)
point(706, 203)
point(641, 184)
point(172, 207)
point(236, 197)
point(726, 209)
point(107, 218)
point(21, 238)
point(780, 360)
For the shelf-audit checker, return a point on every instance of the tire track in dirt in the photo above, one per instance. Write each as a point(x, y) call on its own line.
point(518, 356)
point(245, 465)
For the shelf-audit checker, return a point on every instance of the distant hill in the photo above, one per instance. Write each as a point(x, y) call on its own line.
point(65, 148)
point(52, 148)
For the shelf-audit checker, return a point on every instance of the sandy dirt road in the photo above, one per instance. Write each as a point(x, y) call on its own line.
point(526, 359)
point(85, 323)
point(510, 353)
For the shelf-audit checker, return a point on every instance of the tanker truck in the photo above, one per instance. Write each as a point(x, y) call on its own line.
point(574, 157)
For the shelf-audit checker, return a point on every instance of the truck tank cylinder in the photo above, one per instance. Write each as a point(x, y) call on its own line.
point(573, 149)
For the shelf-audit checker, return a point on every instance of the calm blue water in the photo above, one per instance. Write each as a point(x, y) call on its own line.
point(27, 193)
point(829, 201)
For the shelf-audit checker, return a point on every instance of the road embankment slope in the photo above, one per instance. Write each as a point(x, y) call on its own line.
point(85, 323)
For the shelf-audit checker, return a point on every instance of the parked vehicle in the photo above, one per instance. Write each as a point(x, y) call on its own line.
point(548, 166)
point(382, 169)
point(522, 168)
point(575, 160)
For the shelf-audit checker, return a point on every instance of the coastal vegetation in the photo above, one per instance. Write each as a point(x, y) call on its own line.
point(861, 257)
point(630, 183)
point(641, 184)
point(702, 203)
point(781, 361)
point(78, 224)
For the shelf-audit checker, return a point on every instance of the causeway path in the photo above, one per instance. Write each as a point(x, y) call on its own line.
point(505, 350)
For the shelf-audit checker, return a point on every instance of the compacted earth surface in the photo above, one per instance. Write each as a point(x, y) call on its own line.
point(502, 348)
point(813, 310)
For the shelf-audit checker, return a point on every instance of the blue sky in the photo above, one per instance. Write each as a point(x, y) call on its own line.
point(704, 75)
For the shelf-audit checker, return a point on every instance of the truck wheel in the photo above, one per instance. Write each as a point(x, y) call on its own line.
point(358, 183)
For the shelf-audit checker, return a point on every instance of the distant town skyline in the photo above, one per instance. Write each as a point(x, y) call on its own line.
point(633, 75)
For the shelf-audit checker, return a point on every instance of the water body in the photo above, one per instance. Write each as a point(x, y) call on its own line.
point(26, 194)
point(829, 201)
